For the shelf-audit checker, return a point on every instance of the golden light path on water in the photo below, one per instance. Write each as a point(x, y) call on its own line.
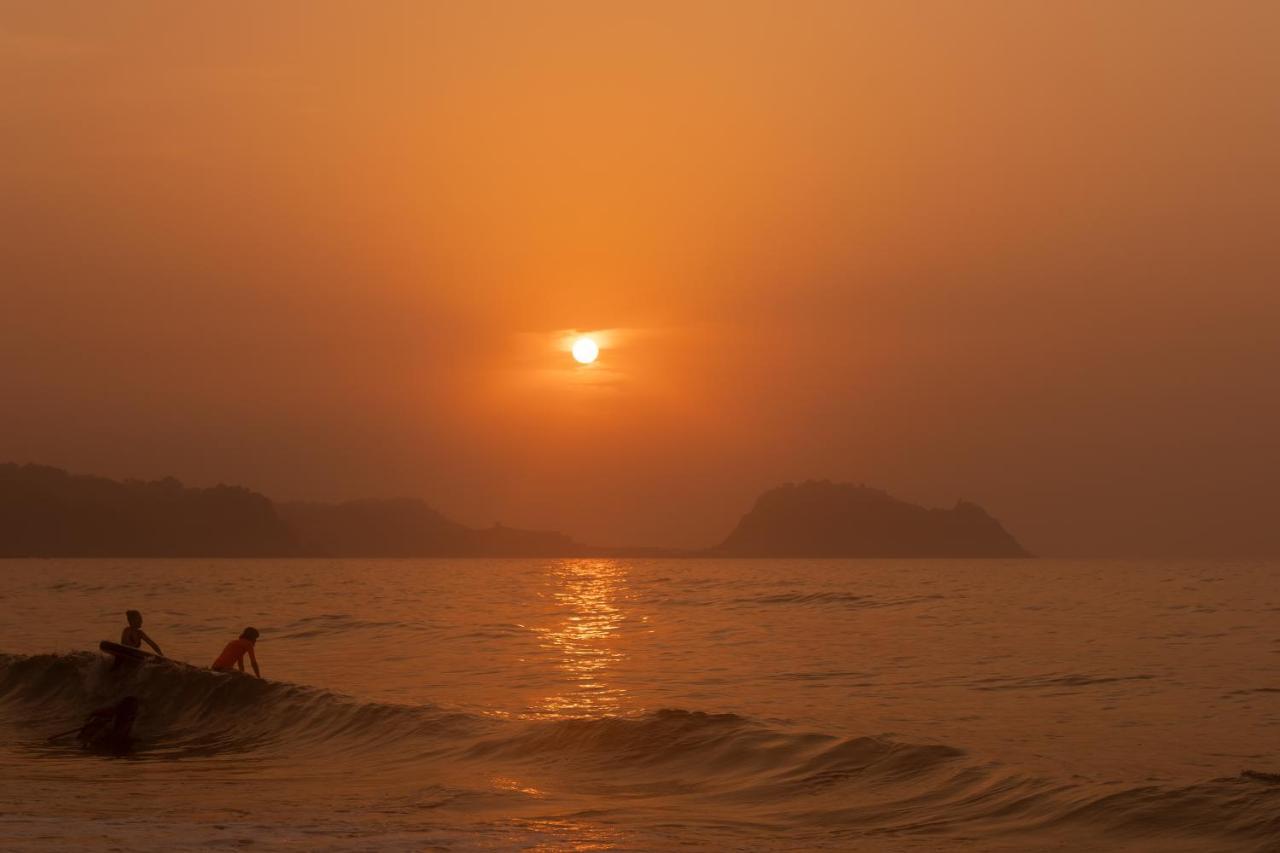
point(585, 644)
point(584, 647)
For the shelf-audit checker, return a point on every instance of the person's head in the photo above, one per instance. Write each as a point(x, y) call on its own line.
point(250, 634)
point(134, 617)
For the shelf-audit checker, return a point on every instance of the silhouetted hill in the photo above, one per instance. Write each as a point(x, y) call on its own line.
point(47, 512)
point(405, 527)
point(373, 528)
point(825, 519)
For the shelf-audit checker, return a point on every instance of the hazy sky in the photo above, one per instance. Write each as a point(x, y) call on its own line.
point(1027, 254)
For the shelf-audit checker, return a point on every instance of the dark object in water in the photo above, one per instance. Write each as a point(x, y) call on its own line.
point(61, 735)
point(110, 729)
point(125, 652)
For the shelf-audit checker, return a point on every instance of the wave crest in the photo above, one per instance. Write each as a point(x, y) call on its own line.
point(721, 763)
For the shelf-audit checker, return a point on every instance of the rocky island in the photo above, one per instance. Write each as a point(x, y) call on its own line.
point(825, 519)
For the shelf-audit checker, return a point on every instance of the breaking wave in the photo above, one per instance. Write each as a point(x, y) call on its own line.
point(720, 767)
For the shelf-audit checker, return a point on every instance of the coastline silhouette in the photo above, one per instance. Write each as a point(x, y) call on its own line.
point(49, 512)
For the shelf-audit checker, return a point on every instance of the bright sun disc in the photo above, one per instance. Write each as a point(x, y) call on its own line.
point(585, 350)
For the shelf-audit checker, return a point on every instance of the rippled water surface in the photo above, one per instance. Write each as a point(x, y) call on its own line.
point(636, 705)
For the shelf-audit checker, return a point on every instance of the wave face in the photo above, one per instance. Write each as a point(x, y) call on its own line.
point(669, 775)
point(185, 711)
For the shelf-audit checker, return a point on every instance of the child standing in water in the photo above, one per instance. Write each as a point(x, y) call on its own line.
point(133, 636)
point(236, 650)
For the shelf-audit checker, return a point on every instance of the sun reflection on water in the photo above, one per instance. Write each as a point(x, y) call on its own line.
point(582, 837)
point(506, 783)
point(585, 643)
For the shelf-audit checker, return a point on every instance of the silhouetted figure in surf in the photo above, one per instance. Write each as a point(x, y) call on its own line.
point(110, 729)
point(133, 636)
point(233, 654)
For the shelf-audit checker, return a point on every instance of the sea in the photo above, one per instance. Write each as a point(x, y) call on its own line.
point(619, 704)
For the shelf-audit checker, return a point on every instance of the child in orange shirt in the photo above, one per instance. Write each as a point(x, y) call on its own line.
point(235, 651)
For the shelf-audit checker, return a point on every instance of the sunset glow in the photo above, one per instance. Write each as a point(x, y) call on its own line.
point(721, 425)
point(585, 351)
point(810, 225)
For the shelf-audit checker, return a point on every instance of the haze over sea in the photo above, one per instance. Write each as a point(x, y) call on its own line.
point(635, 705)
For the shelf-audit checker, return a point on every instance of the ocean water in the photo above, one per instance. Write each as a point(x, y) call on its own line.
point(650, 705)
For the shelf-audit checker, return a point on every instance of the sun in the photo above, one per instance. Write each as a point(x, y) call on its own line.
point(585, 351)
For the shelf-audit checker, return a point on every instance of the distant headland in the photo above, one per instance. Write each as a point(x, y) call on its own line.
point(825, 519)
point(49, 512)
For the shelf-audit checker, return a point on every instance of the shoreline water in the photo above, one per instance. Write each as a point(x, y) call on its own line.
point(655, 704)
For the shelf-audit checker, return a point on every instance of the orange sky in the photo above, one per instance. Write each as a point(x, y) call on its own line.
point(1020, 253)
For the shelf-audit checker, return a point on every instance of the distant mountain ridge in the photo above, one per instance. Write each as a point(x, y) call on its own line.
point(406, 527)
point(48, 512)
point(819, 518)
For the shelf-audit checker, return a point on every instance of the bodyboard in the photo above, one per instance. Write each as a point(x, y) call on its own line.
point(125, 652)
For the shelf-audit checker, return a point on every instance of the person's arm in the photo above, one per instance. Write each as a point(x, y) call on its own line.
point(91, 723)
point(150, 642)
point(253, 659)
point(240, 662)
